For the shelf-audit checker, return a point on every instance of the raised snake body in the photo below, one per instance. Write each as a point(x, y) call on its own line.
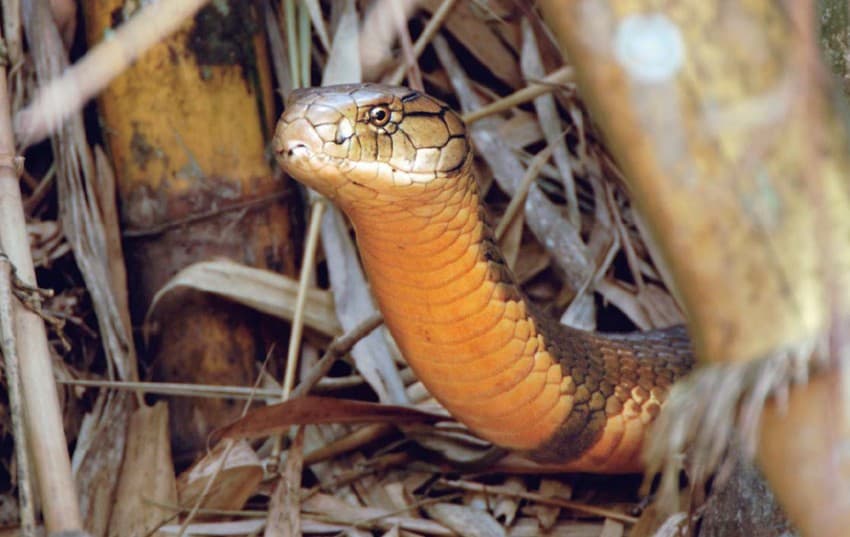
point(398, 163)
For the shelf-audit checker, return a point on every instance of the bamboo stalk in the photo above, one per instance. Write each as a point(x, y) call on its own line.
point(8, 348)
point(722, 119)
point(103, 62)
point(47, 444)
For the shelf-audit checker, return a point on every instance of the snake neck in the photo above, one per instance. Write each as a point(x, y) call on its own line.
point(580, 400)
point(518, 379)
point(458, 316)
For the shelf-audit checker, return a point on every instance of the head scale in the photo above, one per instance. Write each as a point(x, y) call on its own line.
point(367, 138)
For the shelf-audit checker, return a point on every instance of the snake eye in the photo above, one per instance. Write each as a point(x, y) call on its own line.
point(379, 115)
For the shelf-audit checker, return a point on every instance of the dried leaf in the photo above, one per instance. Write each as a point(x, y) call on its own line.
point(612, 528)
point(284, 517)
point(520, 130)
point(547, 114)
point(260, 289)
point(310, 410)
point(354, 303)
point(235, 482)
point(98, 457)
point(465, 521)
point(338, 511)
point(147, 475)
point(239, 527)
point(660, 306)
point(479, 39)
point(318, 22)
point(528, 527)
point(344, 59)
point(380, 32)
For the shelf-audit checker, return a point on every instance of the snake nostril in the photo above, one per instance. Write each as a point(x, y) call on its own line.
point(292, 148)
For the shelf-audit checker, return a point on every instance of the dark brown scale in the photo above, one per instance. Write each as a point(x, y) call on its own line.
point(606, 364)
point(597, 363)
point(490, 252)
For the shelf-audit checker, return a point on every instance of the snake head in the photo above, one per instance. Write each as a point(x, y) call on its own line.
point(369, 140)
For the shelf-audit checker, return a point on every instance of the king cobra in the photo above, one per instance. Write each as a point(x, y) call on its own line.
point(399, 164)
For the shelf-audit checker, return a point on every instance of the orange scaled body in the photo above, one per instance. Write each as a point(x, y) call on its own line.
point(398, 163)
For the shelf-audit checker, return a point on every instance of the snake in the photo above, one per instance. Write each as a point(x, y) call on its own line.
point(398, 163)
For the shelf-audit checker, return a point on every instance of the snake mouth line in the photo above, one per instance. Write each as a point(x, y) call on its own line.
point(304, 164)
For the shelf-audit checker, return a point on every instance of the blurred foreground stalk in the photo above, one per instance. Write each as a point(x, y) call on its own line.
point(723, 119)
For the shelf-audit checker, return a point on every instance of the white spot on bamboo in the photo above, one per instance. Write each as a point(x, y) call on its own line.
point(649, 47)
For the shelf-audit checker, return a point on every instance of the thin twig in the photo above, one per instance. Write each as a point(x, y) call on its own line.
point(547, 500)
point(179, 389)
point(414, 75)
point(8, 346)
point(300, 68)
point(427, 34)
point(313, 377)
point(338, 347)
point(301, 297)
point(205, 215)
point(193, 512)
point(535, 89)
point(518, 199)
point(297, 328)
point(41, 190)
point(356, 439)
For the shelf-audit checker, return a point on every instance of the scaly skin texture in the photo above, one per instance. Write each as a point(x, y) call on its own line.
point(399, 164)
